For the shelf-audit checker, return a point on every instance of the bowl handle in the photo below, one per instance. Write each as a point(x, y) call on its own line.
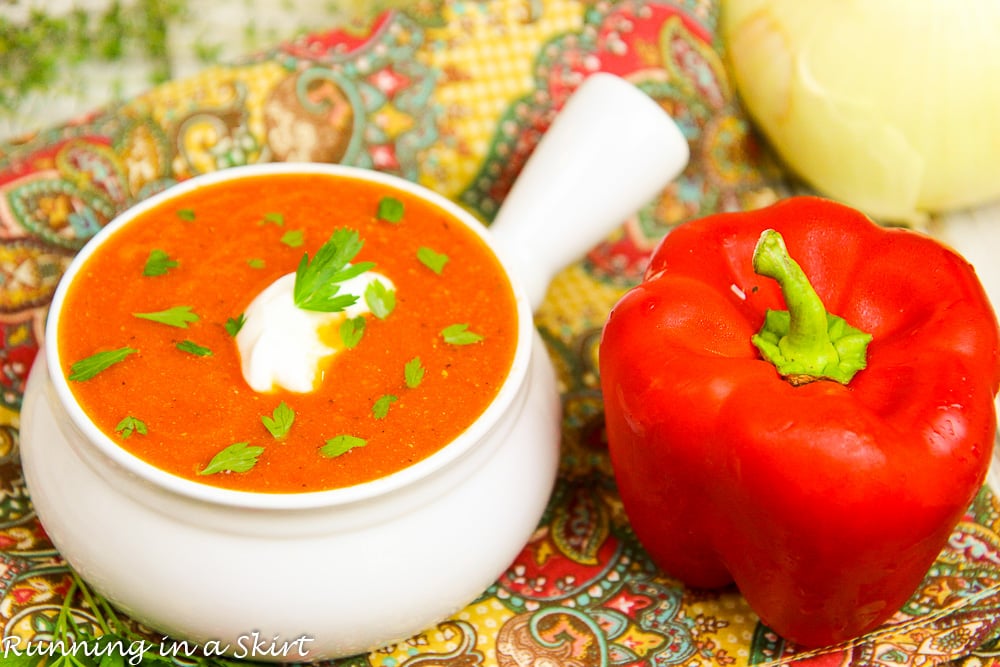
point(609, 151)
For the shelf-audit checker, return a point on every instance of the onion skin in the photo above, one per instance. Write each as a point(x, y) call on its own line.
point(891, 106)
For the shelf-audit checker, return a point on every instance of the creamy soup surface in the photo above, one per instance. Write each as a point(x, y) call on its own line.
point(148, 335)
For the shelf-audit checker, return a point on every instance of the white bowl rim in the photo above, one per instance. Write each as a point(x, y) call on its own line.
point(215, 495)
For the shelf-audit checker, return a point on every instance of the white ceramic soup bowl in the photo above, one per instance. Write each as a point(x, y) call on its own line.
point(332, 573)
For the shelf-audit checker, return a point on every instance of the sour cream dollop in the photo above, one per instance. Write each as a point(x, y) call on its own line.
point(283, 346)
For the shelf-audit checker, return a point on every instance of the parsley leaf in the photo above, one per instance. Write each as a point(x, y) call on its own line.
point(390, 209)
point(25, 659)
point(234, 324)
point(273, 218)
point(186, 214)
point(380, 299)
point(459, 334)
point(351, 331)
point(192, 347)
point(316, 282)
point(293, 238)
point(380, 410)
point(130, 425)
point(178, 316)
point(158, 263)
point(341, 445)
point(432, 260)
point(237, 457)
point(256, 263)
point(95, 363)
point(280, 421)
point(413, 372)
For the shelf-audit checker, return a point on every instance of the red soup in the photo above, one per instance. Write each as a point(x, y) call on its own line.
point(147, 335)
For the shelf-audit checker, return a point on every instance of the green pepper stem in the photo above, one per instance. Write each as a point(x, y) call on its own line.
point(805, 343)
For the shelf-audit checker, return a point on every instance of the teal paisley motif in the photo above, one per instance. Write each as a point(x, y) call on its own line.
point(580, 526)
point(577, 638)
point(315, 115)
point(572, 636)
point(210, 138)
point(553, 636)
point(144, 149)
point(665, 618)
point(465, 654)
point(15, 505)
point(369, 108)
point(58, 211)
point(93, 166)
point(29, 273)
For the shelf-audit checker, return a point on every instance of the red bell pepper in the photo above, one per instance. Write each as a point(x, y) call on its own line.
point(819, 463)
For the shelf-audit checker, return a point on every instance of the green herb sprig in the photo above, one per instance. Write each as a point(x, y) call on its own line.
point(317, 282)
point(340, 445)
point(293, 238)
point(413, 373)
point(272, 218)
point(380, 409)
point(237, 457)
point(158, 263)
point(178, 316)
point(87, 368)
point(234, 324)
point(351, 331)
point(194, 348)
point(380, 299)
point(390, 209)
point(129, 425)
point(279, 423)
point(433, 260)
point(459, 334)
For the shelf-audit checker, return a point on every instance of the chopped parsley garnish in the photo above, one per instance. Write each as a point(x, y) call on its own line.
point(234, 324)
point(434, 261)
point(341, 444)
point(158, 263)
point(94, 364)
point(351, 331)
point(130, 425)
point(192, 347)
point(413, 372)
point(459, 334)
point(186, 214)
point(238, 457)
point(390, 209)
point(380, 409)
point(256, 263)
point(317, 281)
point(293, 238)
point(380, 299)
point(272, 218)
point(178, 316)
point(280, 421)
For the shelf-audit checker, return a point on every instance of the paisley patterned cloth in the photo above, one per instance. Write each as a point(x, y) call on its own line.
point(455, 94)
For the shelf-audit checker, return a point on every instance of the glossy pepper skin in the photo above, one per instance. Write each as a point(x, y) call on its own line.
point(826, 503)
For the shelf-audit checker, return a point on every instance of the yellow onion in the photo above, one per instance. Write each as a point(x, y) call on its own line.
point(892, 106)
